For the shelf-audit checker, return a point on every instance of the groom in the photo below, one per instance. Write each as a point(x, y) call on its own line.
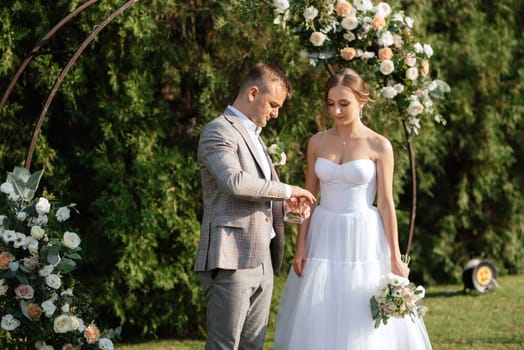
point(242, 233)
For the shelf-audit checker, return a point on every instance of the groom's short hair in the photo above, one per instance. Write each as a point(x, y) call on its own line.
point(262, 73)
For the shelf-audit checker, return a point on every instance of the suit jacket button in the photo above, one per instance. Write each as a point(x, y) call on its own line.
point(267, 219)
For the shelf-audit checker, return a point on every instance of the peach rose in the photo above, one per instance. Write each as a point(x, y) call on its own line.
point(5, 259)
point(378, 22)
point(34, 311)
point(348, 53)
point(424, 70)
point(343, 8)
point(385, 53)
point(92, 334)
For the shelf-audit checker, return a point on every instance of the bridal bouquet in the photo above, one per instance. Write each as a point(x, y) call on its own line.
point(376, 41)
point(38, 251)
point(397, 297)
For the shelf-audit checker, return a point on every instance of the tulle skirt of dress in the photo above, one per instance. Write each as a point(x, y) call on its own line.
point(328, 307)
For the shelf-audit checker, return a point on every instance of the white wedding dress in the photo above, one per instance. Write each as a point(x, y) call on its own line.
point(347, 252)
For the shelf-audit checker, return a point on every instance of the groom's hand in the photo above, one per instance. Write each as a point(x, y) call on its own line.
point(299, 192)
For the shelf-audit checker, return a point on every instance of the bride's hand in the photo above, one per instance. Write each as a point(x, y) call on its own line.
point(398, 267)
point(299, 261)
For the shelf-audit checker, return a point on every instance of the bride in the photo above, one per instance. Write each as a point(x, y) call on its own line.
point(347, 244)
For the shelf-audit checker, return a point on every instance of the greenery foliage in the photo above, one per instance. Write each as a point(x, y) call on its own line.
point(120, 137)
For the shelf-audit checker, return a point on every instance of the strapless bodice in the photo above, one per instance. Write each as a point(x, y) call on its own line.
point(346, 187)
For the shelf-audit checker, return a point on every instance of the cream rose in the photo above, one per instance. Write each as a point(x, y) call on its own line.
point(317, 38)
point(62, 324)
point(412, 73)
point(348, 53)
point(389, 92)
point(71, 240)
point(411, 59)
point(387, 67)
point(37, 232)
point(349, 22)
point(310, 13)
point(415, 108)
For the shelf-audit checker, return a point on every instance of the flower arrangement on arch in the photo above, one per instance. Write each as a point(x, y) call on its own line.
point(396, 297)
point(38, 305)
point(375, 41)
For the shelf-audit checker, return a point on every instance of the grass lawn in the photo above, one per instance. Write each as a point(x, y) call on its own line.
point(455, 321)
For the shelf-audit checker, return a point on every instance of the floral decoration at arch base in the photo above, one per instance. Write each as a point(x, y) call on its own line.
point(378, 42)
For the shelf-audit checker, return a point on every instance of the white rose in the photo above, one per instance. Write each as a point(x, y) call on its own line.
point(49, 308)
point(75, 322)
point(387, 67)
point(389, 92)
point(62, 324)
point(415, 108)
point(21, 215)
point(428, 50)
point(418, 48)
point(349, 36)
point(105, 344)
point(386, 39)
point(65, 308)
point(63, 213)
point(37, 232)
point(363, 5)
point(9, 323)
point(409, 22)
point(281, 5)
point(399, 88)
point(53, 281)
point(32, 246)
point(383, 9)
point(71, 240)
point(317, 38)
point(310, 13)
point(412, 73)
point(42, 206)
point(46, 270)
point(349, 22)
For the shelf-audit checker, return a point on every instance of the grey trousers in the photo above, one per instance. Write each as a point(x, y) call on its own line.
point(238, 303)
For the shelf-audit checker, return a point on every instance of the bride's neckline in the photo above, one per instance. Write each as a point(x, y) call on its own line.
point(348, 162)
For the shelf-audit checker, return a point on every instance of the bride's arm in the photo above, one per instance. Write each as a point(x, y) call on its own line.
point(386, 206)
point(312, 185)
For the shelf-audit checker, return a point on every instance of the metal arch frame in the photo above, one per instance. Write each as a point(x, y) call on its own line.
point(66, 68)
point(37, 47)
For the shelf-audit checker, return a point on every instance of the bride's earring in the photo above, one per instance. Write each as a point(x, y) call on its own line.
point(360, 113)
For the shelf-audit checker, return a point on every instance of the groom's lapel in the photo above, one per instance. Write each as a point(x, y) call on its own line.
point(237, 124)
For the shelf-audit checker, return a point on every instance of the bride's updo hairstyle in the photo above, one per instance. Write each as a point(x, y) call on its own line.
point(352, 80)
